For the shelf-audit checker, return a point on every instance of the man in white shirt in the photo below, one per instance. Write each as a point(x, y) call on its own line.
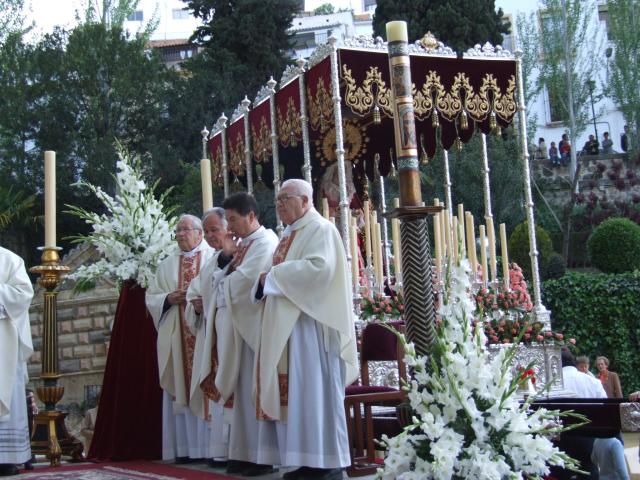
point(583, 385)
point(16, 293)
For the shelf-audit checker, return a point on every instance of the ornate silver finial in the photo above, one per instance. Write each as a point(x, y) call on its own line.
point(262, 94)
point(246, 103)
point(222, 121)
point(271, 85)
point(301, 62)
point(205, 136)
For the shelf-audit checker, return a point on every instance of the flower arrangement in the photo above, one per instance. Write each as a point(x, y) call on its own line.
point(378, 306)
point(516, 298)
point(133, 237)
point(467, 422)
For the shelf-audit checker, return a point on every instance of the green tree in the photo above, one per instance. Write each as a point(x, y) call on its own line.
point(11, 18)
point(244, 43)
point(458, 23)
point(324, 9)
point(624, 80)
point(569, 62)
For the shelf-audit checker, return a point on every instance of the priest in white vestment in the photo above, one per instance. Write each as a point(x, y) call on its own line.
point(307, 346)
point(249, 247)
point(201, 297)
point(16, 293)
point(184, 435)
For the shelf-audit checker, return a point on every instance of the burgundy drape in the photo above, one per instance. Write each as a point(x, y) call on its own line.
point(129, 423)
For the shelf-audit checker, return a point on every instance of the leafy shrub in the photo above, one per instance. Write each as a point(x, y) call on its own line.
point(556, 267)
point(614, 246)
point(519, 248)
point(601, 311)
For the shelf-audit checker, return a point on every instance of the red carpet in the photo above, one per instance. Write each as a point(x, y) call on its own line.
point(121, 471)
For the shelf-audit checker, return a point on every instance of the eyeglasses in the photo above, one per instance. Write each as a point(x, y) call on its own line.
point(280, 199)
point(182, 230)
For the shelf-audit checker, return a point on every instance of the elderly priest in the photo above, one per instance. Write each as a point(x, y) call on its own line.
point(200, 311)
point(184, 436)
point(307, 347)
point(16, 293)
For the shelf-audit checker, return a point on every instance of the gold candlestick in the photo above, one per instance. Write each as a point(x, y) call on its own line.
point(50, 436)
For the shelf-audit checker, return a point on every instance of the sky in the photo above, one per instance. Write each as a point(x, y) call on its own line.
point(48, 13)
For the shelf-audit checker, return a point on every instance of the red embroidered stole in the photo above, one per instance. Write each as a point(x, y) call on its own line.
point(187, 271)
point(208, 385)
point(279, 256)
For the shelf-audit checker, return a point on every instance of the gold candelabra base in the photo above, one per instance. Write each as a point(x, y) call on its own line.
point(50, 436)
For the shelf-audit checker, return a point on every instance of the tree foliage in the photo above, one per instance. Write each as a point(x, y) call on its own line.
point(624, 80)
point(459, 23)
point(244, 42)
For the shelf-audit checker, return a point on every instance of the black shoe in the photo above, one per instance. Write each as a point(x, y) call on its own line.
point(256, 470)
point(213, 463)
point(182, 460)
point(309, 473)
point(237, 466)
point(8, 469)
point(28, 465)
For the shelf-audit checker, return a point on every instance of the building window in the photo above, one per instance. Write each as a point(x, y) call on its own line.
point(180, 14)
point(603, 16)
point(136, 16)
point(369, 5)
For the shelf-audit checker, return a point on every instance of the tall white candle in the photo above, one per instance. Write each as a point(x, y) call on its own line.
point(471, 245)
point(505, 256)
point(461, 233)
point(454, 240)
point(491, 233)
point(367, 233)
point(483, 254)
point(49, 198)
point(205, 176)
point(437, 242)
point(325, 208)
point(378, 253)
point(355, 270)
point(395, 234)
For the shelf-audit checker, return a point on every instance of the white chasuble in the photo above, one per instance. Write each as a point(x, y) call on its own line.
point(16, 293)
point(235, 313)
point(176, 343)
point(312, 279)
point(16, 347)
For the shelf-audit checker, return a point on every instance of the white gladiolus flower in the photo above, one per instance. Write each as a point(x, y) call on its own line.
point(465, 423)
point(134, 237)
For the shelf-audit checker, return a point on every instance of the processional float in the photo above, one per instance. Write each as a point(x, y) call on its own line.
point(368, 111)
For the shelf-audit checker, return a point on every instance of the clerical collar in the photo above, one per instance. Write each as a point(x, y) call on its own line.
point(295, 225)
point(193, 251)
point(257, 233)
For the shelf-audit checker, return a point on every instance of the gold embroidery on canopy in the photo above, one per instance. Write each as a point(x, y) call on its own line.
point(261, 140)
point(320, 106)
point(355, 142)
point(361, 99)
point(216, 166)
point(288, 123)
point(236, 155)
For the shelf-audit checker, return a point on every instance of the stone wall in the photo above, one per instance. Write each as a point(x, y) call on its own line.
point(84, 322)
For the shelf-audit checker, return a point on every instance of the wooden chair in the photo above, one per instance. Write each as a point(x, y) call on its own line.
point(377, 344)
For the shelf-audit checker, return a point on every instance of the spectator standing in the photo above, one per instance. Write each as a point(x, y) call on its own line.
point(582, 364)
point(607, 144)
point(610, 380)
point(541, 151)
point(624, 139)
point(554, 155)
point(608, 455)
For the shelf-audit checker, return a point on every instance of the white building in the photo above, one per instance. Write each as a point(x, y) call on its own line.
point(174, 20)
point(608, 116)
